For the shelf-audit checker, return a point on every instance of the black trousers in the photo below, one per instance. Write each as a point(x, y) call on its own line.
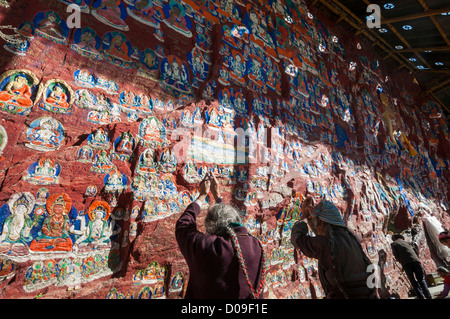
point(416, 276)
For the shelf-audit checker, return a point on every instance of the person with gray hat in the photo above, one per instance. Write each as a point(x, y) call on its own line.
point(407, 257)
point(343, 264)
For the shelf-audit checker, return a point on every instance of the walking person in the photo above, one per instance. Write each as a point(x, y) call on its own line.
point(343, 265)
point(407, 257)
point(224, 262)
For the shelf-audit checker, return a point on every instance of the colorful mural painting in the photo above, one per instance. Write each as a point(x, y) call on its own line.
point(106, 130)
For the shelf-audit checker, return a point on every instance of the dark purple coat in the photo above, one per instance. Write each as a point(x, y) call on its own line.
point(214, 268)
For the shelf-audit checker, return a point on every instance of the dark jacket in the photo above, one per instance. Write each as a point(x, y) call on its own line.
point(404, 252)
point(351, 262)
point(213, 266)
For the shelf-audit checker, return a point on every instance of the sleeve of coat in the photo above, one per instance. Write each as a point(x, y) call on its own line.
point(186, 230)
point(394, 250)
point(300, 239)
point(445, 291)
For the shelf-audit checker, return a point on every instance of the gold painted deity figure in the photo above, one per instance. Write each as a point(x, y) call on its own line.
point(54, 233)
point(16, 96)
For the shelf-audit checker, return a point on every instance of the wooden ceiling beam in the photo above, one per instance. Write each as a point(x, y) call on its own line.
point(437, 80)
point(394, 30)
point(408, 45)
point(441, 31)
point(345, 14)
point(436, 23)
point(446, 71)
point(426, 13)
point(437, 86)
point(361, 26)
point(387, 56)
point(442, 88)
point(434, 49)
point(444, 84)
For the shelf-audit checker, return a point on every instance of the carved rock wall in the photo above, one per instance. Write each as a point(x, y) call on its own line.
point(107, 127)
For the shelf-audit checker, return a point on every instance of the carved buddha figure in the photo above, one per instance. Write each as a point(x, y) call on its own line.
point(54, 233)
point(17, 93)
point(17, 226)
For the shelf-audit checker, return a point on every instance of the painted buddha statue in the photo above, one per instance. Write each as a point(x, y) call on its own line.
point(17, 93)
point(54, 233)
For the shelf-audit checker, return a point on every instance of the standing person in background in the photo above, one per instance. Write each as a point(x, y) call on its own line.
point(224, 262)
point(343, 265)
point(416, 232)
point(407, 257)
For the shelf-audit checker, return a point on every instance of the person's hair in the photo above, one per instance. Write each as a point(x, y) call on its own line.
point(443, 269)
point(218, 222)
point(397, 236)
point(219, 217)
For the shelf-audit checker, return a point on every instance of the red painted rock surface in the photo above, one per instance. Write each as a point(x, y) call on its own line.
point(90, 192)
